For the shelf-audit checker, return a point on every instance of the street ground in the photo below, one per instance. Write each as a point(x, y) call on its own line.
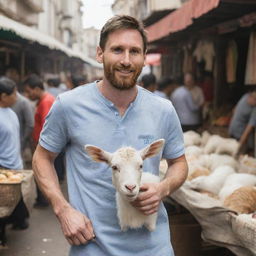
point(43, 237)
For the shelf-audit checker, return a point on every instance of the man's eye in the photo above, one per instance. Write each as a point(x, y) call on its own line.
point(117, 50)
point(115, 168)
point(134, 51)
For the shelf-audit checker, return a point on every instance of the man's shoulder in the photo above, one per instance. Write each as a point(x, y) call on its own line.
point(157, 102)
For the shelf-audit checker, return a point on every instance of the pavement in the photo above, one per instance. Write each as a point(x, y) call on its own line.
point(43, 237)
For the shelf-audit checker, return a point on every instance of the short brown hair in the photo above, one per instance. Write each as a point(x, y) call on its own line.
point(122, 22)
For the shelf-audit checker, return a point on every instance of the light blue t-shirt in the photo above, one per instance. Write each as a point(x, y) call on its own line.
point(84, 116)
point(10, 140)
point(187, 110)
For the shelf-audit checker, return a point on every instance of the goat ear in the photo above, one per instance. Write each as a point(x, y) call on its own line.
point(97, 154)
point(153, 149)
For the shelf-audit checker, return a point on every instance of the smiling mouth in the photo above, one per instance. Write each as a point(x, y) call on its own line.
point(125, 72)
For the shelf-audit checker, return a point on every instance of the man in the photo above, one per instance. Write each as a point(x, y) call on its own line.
point(243, 121)
point(110, 113)
point(165, 87)
point(188, 101)
point(148, 81)
point(23, 110)
point(10, 157)
point(34, 89)
point(53, 87)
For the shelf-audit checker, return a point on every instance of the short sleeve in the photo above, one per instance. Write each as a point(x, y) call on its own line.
point(54, 135)
point(252, 120)
point(174, 144)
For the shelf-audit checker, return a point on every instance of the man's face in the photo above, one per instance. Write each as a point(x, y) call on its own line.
point(123, 58)
point(189, 80)
point(9, 99)
point(31, 93)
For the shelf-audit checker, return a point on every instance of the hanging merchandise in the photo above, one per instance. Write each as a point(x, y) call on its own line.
point(231, 61)
point(205, 52)
point(250, 74)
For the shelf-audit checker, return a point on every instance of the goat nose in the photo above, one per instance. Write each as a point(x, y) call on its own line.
point(130, 187)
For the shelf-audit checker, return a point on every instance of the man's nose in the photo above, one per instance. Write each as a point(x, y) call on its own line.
point(126, 59)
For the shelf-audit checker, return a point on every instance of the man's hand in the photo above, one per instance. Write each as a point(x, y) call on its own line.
point(76, 227)
point(149, 198)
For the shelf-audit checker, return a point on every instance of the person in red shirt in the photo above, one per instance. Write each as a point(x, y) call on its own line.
point(34, 90)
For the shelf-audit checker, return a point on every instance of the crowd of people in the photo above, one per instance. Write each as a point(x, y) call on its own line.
point(21, 120)
point(107, 113)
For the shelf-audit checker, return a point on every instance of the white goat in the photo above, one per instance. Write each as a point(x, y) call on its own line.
point(127, 177)
point(235, 181)
point(213, 182)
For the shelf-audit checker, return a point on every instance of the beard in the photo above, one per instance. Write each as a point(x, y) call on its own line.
point(122, 83)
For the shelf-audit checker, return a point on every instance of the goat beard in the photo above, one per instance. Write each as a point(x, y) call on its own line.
point(121, 83)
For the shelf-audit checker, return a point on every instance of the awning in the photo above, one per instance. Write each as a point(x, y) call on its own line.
point(181, 18)
point(153, 59)
point(34, 35)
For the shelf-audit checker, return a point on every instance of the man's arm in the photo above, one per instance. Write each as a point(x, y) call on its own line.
point(153, 193)
point(76, 227)
point(243, 140)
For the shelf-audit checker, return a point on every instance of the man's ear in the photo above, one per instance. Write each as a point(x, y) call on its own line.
point(97, 154)
point(99, 54)
point(153, 149)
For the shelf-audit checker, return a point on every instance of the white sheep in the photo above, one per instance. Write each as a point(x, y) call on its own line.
point(193, 150)
point(127, 177)
point(213, 182)
point(213, 161)
point(191, 138)
point(219, 145)
point(235, 181)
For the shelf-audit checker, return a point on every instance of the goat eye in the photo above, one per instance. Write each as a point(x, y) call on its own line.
point(115, 168)
point(141, 166)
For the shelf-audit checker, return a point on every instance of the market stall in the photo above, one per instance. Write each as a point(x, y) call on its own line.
point(220, 193)
point(220, 226)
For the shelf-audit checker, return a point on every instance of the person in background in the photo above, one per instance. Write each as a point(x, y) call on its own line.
point(78, 80)
point(243, 122)
point(188, 101)
point(53, 87)
point(111, 113)
point(208, 91)
point(165, 87)
point(10, 156)
point(34, 89)
point(148, 82)
point(23, 109)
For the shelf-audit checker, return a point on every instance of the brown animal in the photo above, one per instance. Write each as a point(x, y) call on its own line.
point(242, 200)
point(199, 172)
